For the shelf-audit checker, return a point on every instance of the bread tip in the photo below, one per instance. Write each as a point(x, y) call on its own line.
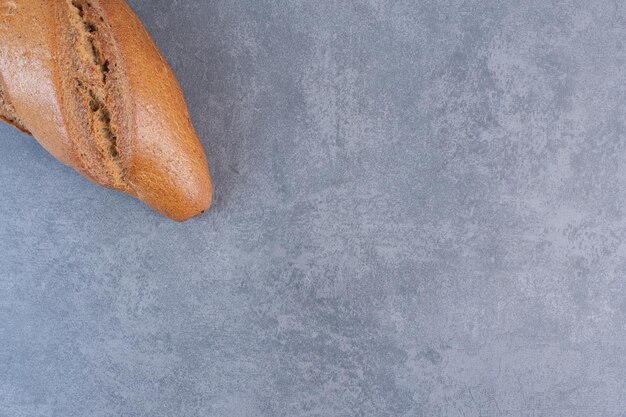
point(190, 202)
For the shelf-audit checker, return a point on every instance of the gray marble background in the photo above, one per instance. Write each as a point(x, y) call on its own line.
point(419, 212)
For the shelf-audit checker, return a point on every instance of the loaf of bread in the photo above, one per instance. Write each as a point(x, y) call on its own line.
point(86, 80)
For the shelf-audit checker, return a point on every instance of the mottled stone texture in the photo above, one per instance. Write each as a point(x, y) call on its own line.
point(419, 212)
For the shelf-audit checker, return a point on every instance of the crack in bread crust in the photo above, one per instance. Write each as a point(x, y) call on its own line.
point(99, 96)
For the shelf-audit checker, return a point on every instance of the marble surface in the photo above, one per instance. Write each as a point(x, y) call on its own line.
point(419, 212)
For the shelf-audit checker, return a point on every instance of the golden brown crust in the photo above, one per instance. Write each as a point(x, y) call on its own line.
point(169, 170)
point(7, 112)
point(87, 80)
point(28, 70)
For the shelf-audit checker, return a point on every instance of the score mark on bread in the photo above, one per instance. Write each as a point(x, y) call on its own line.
point(92, 54)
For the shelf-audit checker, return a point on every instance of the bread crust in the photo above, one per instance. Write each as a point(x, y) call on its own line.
point(87, 81)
